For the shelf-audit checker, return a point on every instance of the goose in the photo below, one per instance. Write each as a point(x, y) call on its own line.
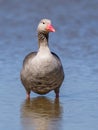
point(42, 71)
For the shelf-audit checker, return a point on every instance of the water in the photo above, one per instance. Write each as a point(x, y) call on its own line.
point(76, 43)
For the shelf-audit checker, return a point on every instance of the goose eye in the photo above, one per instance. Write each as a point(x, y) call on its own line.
point(43, 22)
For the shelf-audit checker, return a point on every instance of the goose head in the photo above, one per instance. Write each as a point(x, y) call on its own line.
point(45, 26)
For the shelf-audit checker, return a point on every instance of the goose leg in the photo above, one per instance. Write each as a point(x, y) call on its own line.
point(27, 95)
point(56, 92)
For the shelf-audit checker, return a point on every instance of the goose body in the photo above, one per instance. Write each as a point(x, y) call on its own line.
point(42, 71)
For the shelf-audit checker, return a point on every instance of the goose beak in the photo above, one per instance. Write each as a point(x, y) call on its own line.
point(50, 28)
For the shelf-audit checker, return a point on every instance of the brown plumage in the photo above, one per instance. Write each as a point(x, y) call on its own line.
point(42, 71)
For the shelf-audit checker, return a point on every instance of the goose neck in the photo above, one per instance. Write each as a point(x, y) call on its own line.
point(43, 39)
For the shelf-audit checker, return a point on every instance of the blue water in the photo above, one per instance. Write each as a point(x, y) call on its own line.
point(76, 43)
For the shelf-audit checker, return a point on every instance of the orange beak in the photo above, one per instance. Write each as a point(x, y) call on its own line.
point(50, 28)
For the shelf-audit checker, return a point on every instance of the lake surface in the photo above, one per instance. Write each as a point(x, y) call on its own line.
point(76, 43)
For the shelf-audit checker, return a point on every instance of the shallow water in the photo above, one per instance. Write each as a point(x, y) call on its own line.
point(76, 43)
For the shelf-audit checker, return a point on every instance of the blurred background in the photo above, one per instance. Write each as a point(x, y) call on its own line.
point(75, 42)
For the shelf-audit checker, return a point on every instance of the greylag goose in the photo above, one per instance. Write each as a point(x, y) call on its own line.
point(42, 71)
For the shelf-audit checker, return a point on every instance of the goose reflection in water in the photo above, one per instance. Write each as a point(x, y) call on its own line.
point(41, 113)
